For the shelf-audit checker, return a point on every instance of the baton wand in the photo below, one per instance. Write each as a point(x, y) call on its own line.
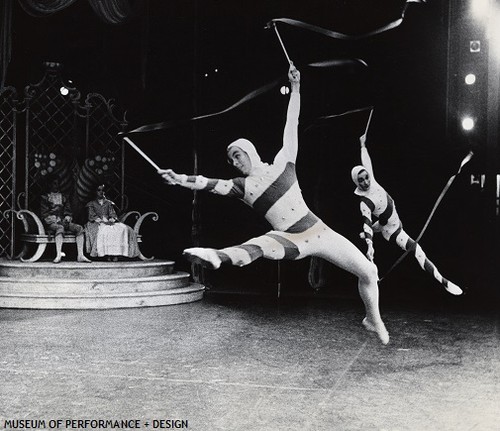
point(142, 153)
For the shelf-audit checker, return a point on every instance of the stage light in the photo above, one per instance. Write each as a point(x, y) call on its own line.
point(64, 91)
point(284, 90)
point(467, 123)
point(470, 79)
point(480, 8)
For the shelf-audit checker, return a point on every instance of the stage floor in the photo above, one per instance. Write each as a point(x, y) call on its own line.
point(253, 364)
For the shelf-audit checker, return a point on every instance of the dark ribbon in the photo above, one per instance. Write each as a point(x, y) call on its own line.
point(253, 94)
point(438, 201)
point(341, 114)
point(269, 86)
point(336, 34)
point(169, 124)
point(343, 36)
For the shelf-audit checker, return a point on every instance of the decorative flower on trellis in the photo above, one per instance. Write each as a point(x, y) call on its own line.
point(101, 164)
point(51, 163)
point(93, 171)
point(46, 163)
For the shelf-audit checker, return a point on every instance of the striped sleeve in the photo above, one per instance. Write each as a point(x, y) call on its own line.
point(366, 206)
point(232, 188)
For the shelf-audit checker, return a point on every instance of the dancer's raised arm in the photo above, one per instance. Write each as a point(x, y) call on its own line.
point(288, 152)
point(366, 161)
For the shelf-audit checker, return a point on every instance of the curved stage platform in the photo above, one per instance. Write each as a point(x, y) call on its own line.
point(74, 285)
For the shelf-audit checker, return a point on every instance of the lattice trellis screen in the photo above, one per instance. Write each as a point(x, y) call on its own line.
point(77, 140)
point(104, 146)
point(51, 141)
point(63, 135)
point(8, 118)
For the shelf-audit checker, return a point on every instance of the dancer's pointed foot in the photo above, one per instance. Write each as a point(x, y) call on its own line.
point(453, 288)
point(207, 257)
point(83, 259)
point(378, 328)
point(57, 259)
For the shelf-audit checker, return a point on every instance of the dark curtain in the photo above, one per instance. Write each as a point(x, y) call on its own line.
point(116, 11)
point(110, 11)
point(44, 7)
point(5, 38)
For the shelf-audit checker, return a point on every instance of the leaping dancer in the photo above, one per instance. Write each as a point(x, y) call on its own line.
point(377, 203)
point(273, 191)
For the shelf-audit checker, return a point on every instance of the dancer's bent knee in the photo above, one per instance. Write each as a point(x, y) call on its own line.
point(369, 274)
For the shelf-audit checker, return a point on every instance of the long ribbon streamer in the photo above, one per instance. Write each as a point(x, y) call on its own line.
point(438, 201)
point(338, 62)
point(168, 124)
point(265, 88)
point(336, 34)
point(344, 36)
point(341, 114)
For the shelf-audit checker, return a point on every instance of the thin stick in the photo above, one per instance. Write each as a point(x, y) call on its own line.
point(281, 42)
point(368, 123)
point(142, 153)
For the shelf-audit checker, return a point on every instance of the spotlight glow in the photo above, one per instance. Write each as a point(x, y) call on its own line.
point(480, 8)
point(470, 79)
point(468, 123)
point(494, 33)
point(64, 91)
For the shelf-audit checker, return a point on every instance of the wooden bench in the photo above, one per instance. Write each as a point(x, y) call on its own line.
point(35, 233)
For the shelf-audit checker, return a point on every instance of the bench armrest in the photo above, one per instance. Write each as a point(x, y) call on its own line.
point(31, 222)
point(139, 219)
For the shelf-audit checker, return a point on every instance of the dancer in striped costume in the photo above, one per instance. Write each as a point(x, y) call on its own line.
point(273, 191)
point(375, 201)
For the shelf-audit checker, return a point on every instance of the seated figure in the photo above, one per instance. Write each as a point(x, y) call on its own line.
point(106, 236)
point(58, 219)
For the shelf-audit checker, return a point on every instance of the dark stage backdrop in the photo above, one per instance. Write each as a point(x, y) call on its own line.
point(183, 58)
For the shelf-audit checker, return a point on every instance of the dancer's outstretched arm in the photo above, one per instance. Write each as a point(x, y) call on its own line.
point(365, 157)
point(232, 187)
point(288, 152)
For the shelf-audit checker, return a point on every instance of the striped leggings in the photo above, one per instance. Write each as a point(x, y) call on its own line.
point(403, 240)
point(274, 245)
point(319, 240)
